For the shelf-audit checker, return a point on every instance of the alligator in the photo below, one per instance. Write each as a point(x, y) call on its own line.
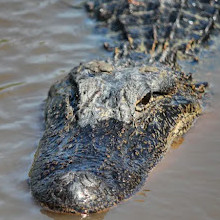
point(109, 122)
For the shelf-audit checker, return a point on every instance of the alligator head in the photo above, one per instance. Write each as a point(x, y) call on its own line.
point(107, 125)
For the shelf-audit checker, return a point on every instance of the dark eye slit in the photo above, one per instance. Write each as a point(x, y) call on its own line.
point(145, 99)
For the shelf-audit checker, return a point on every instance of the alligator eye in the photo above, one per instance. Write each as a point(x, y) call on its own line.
point(144, 100)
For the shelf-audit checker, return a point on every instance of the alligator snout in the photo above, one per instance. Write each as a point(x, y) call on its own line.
point(80, 189)
point(79, 192)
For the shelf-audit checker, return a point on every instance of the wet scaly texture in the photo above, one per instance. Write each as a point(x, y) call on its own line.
point(165, 29)
point(89, 159)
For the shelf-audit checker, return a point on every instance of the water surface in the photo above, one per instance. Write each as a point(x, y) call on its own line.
point(40, 41)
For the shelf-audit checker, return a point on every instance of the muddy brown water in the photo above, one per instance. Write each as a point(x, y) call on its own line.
point(40, 41)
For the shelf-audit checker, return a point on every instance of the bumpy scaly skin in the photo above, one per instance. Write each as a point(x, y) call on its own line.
point(165, 29)
point(108, 123)
point(89, 163)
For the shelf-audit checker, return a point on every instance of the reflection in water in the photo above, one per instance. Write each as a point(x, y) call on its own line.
point(40, 41)
point(96, 216)
point(177, 142)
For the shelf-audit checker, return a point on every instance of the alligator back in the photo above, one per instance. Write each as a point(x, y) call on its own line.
point(165, 29)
